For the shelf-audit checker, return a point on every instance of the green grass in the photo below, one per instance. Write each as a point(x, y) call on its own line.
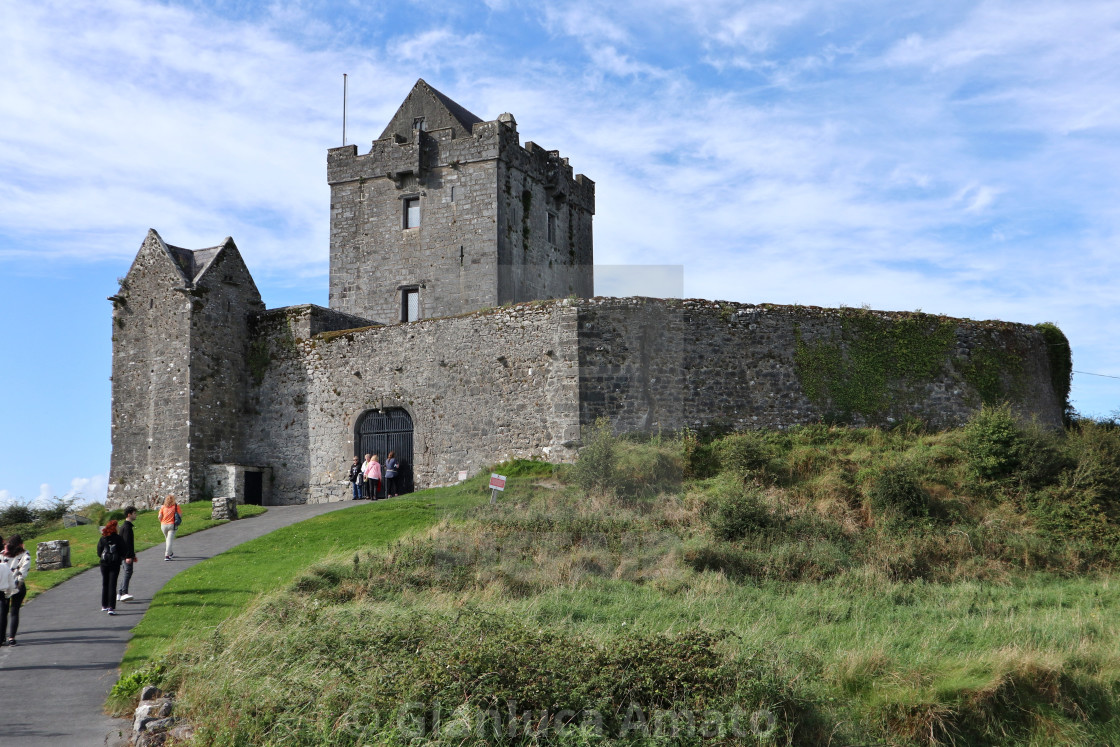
point(83, 541)
point(784, 573)
point(195, 602)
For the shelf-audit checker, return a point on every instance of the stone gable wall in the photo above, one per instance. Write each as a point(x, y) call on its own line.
point(222, 303)
point(150, 408)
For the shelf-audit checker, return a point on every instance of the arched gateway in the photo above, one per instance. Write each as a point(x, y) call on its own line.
point(382, 431)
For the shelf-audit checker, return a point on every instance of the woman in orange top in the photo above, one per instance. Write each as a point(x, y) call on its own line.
point(169, 519)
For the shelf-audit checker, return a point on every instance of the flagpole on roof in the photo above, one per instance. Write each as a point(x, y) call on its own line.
point(344, 108)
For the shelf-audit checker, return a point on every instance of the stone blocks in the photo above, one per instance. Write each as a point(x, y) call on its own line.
point(53, 555)
point(224, 509)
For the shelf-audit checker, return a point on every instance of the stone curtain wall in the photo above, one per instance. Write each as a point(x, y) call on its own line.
point(150, 408)
point(648, 365)
point(480, 388)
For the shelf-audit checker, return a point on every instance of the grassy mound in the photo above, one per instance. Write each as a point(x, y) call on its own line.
point(816, 586)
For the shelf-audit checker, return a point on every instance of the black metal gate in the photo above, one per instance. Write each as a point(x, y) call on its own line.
point(381, 431)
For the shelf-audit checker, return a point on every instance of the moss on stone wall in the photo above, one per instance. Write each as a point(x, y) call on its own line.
point(995, 373)
point(1061, 364)
point(259, 358)
point(872, 362)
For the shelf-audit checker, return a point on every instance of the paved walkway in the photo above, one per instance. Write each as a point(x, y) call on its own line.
point(57, 678)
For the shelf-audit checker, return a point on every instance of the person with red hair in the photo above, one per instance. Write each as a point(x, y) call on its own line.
point(110, 551)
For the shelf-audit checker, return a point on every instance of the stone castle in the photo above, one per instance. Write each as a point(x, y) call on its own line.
point(462, 332)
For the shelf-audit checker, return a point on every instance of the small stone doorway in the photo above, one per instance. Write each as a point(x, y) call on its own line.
point(254, 488)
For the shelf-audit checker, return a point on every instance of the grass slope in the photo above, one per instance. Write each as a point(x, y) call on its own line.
point(820, 586)
point(195, 602)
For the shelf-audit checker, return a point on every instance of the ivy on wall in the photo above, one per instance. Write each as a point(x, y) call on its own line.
point(1061, 364)
point(995, 373)
point(869, 365)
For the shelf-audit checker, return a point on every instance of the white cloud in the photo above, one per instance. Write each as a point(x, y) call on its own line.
point(89, 489)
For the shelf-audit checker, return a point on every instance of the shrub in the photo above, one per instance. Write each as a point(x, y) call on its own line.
point(735, 517)
point(897, 490)
point(57, 508)
point(594, 470)
point(744, 454)
point(16, 513)
point(626, 468)
point(697, 455)
point(993, 443)
point(645, 470)
point(1095, 450)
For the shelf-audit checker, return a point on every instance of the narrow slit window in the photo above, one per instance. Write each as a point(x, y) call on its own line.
point(410, 304)
point(411, 212)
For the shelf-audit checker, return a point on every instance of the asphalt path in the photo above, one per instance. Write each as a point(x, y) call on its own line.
point(69, 652)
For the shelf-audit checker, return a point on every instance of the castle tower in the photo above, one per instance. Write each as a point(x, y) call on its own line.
point(181, 333)
point(448, 214)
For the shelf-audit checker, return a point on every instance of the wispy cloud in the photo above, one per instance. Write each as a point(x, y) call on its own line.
point(960, 158)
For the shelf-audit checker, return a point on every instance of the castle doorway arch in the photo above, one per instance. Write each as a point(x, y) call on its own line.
point(382, 431)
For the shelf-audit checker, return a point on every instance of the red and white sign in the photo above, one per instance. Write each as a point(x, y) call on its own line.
point(497, 482)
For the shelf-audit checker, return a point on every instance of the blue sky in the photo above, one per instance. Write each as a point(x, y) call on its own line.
point(954, 157)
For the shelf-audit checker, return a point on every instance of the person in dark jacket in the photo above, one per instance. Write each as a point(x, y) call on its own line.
point(129, 553)
point(356, 479)
point(110, 550)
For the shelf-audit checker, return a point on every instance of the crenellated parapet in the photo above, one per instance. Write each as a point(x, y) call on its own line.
point(447, 213)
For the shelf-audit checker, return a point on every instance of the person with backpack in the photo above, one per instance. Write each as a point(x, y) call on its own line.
point(129, 553)
point(18, 561)
point(110, 551)
point(170, 517)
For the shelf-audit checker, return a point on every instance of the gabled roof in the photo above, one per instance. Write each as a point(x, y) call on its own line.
point(438, 111)
point(192, 265)
point(195, 263)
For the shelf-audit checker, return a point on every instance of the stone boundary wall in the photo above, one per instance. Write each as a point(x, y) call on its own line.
point(480, 388)
point(647, 364)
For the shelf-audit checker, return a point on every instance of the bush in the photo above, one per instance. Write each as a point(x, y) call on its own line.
point(1095, 450)
point(55, 511)
point(698, 456)
point(645, 470)
point(744, 454)
point(594, 470)
point(626, 468)
point(897, 490)
point(16, 513)
point(993, 443)
point(739, 516)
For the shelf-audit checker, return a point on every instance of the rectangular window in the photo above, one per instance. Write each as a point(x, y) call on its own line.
point(552, 229)
point(411, 212)
point(410, 304)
